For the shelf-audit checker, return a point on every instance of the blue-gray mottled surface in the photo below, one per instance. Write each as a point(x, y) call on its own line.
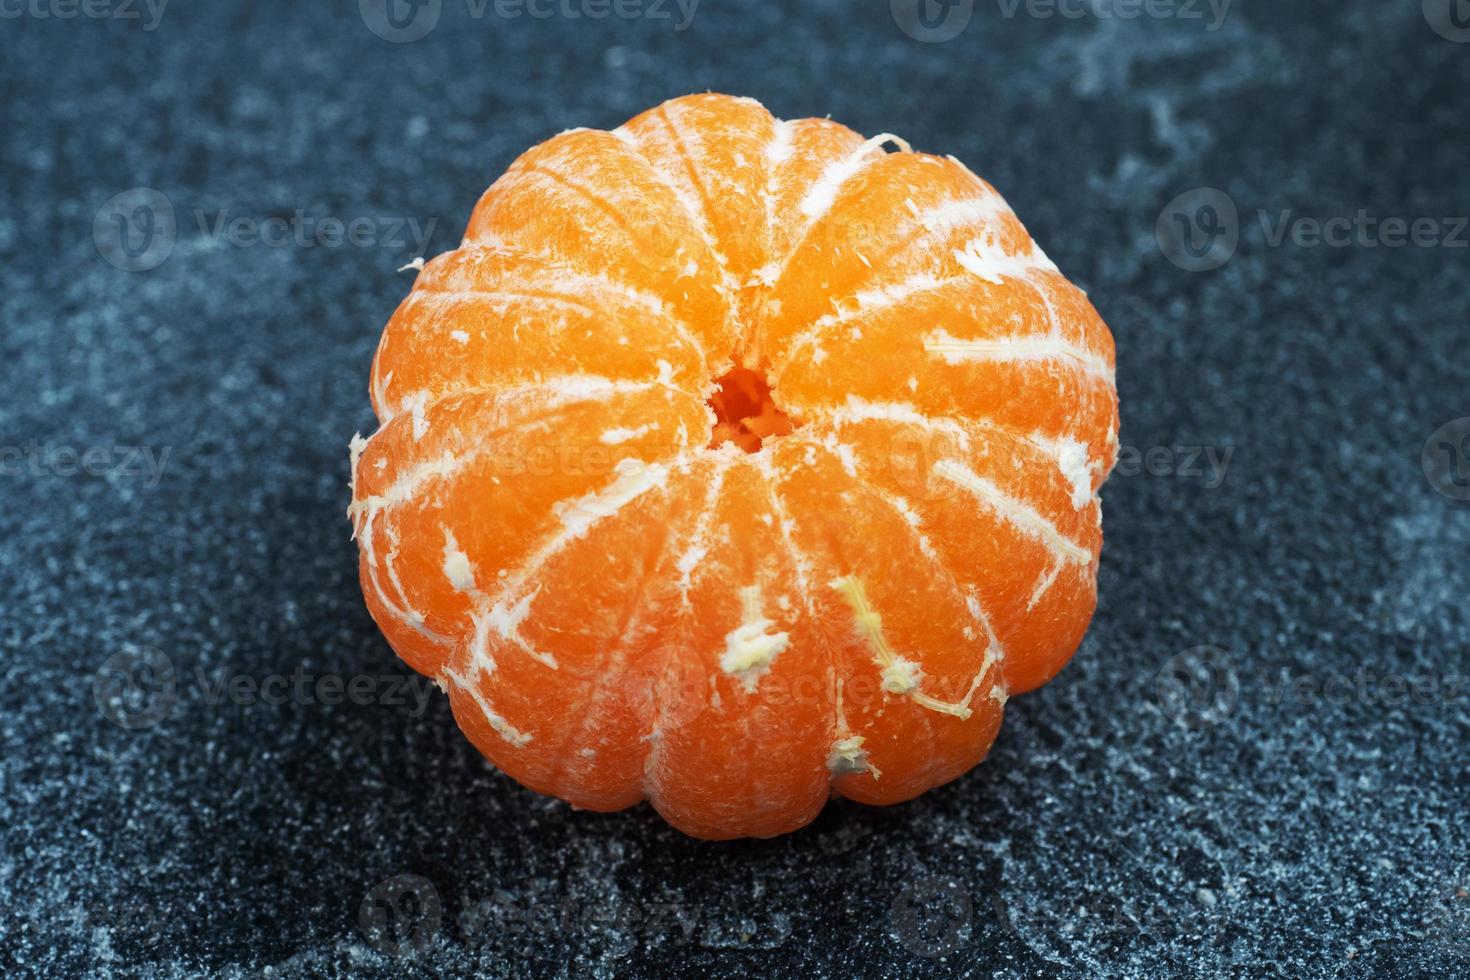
point(1257, 763)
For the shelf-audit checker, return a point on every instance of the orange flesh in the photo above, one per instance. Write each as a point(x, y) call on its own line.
point(731, 463)
point(746, 413)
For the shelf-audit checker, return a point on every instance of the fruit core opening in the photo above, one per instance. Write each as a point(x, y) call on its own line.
point(745, 412)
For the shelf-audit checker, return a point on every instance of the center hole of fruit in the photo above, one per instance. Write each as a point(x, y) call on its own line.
point(745, 412)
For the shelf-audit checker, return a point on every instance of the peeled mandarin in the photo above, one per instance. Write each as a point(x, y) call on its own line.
point(732, 463)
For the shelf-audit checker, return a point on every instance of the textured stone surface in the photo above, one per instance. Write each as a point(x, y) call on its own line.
point(1233, 823)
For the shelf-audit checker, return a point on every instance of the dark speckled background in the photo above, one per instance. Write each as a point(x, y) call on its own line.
point(1256, 764)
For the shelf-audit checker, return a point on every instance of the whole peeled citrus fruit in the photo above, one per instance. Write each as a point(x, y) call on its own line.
point(731, 462)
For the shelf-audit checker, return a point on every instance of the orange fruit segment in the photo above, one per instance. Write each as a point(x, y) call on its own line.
point(734, 462)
